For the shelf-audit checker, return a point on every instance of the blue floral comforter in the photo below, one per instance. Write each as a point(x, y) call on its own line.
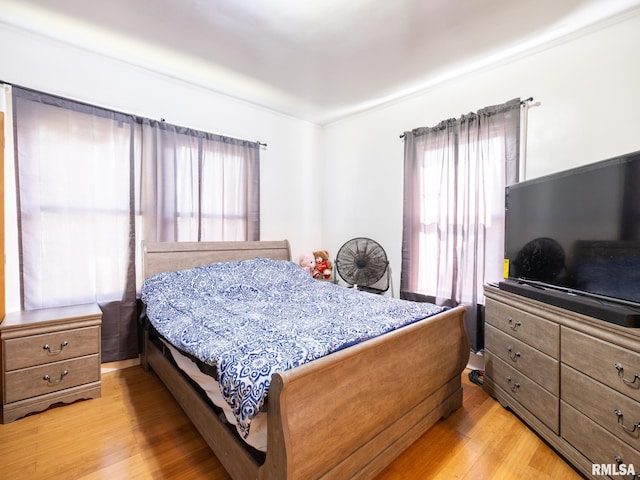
point(255, 317)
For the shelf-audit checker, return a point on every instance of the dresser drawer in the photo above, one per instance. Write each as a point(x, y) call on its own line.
point(50, 347)
point(613, 411)
point(535, 331)
point(539, 367)
point(597, 444)
point(603, 361)
point(541, 403)
point(34, 381)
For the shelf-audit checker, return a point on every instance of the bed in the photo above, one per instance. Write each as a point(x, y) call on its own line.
point(345, 415)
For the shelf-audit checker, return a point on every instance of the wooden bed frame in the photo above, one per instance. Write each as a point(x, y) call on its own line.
point(347, 415)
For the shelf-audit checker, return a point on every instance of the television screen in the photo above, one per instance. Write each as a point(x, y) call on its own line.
point(578, 231)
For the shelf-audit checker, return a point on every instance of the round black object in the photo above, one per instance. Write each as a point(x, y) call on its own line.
point(361, 261)
point(541, 259)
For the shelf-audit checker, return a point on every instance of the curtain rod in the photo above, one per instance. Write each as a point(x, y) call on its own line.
point(2, 82)
point(522, 102)
point(258, 142)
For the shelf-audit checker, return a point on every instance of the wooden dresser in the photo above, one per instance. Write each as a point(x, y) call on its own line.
point(49, 356)
point(573, 379)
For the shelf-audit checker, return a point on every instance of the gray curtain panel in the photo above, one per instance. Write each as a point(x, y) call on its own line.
point(453, 219)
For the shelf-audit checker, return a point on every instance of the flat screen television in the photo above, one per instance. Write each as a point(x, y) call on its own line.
point(572, 239)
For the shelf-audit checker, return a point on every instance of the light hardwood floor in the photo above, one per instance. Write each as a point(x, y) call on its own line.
point(137, 431)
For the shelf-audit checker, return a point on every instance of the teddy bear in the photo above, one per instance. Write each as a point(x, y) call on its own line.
point(323, 265)
point(308, 262)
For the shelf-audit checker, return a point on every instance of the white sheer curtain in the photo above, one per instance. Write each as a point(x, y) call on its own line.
point(197, 186)
point(75, 211)
point(230, 190)
point(73, 180)
point(92, 184)
point(453, 230)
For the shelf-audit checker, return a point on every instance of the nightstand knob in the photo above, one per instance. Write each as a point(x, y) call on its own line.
point(55, 352)
point(56, 382)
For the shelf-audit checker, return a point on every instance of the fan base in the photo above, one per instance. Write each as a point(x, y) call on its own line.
point(363, 288)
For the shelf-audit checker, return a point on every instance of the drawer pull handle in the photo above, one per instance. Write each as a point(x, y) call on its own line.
point(620, 463)
point(513, 386)
point(513, 355)
point(55, 382)
point(514, 324)
point(635, 427)
point(632, 381)
point(55, 352)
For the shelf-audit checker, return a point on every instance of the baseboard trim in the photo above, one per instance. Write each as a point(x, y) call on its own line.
point(119, 365)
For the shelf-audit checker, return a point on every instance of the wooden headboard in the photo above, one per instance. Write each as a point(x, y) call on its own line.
point(169, 256)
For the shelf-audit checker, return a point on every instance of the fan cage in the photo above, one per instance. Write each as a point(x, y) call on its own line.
point(363, 263)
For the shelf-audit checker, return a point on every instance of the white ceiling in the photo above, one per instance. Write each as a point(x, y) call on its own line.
point(314, 59)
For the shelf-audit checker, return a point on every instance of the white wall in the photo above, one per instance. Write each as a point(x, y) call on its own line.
point(290, 201)
point(588, 91)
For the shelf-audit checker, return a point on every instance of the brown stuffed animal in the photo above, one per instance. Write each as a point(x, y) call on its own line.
point(323, 265)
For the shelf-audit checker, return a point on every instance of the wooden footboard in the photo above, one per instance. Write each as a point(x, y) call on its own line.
point(349, 414)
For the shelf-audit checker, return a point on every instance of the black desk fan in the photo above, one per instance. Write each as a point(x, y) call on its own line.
point(362, 263)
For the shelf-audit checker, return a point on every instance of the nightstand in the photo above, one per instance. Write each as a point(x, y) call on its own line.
point(49, 356)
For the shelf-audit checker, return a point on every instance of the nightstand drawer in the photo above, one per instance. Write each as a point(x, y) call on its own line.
point(50, 347)
point(541, 334)
point(34, 381)
point(539, 367)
